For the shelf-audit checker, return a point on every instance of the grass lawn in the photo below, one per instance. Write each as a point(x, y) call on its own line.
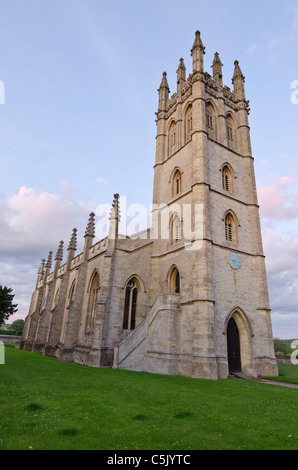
point(47, 404)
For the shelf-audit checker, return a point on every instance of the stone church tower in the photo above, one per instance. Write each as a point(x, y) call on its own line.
point(189, 295)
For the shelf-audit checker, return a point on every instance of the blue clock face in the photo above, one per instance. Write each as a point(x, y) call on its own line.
point(234, 261)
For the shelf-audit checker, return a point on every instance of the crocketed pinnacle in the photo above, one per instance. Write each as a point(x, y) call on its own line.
point(49, 261)
point(198, 42)
point(73, 240)
point(164, 81)
point(59, 254)
point(41, 267)
point(115, 210)
point(181, 70)
point(90, 229)
point(237, 71)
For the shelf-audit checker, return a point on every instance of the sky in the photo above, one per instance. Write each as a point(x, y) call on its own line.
point(78, 94)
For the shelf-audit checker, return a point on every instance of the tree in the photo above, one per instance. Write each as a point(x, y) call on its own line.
point(7, 308)
point(17, 326)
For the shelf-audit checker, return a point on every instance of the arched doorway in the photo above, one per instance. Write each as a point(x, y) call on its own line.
point(233, 339)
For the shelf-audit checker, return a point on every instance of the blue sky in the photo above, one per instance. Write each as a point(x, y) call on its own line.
point(78, 123)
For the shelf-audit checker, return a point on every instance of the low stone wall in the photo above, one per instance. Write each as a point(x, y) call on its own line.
point(9, 338)
point(284, 360)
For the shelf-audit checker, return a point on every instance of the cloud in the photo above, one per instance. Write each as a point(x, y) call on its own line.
point(32, 224)
point(279, 201)
point(279, 217)
point(103, 181)
point(273, 41)
point(34, 220)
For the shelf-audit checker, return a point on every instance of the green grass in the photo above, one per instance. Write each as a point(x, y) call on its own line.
point(47, 404)
point(287, 373)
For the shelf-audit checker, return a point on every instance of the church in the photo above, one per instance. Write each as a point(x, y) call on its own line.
point(189, 295)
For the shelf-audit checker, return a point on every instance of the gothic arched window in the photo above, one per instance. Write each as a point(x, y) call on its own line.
point(211, 121)
point(231, 132)
point(227, 178)
point(71, 292)
point(130, 304)
point(92, 301)
point(175, 228)
point(230, 228)
point(175, 281)
point(176, 183)
point(172, 141)
point(188, 124)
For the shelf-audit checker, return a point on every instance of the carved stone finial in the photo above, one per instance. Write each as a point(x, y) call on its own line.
point(59, 254)
point(49, 261)
point(198, 43)
point(41, 267)
point(73, 240)
point(237, 72)
point(115, 210)
point(90, 229)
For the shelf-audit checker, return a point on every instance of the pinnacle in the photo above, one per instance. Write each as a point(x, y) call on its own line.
point(237, 71)
point(115, 211)
point(59, 254)
point(198, 42)
point(73, 240)
point(217, 60)
point(90, 229)
point(49, 261)
point(164, 81)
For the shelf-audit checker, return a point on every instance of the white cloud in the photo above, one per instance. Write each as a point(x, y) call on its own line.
point(32, 224)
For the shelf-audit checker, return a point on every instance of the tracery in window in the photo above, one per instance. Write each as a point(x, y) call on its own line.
point(188, 124)
point(211, 121)
point(130, 304)
point(92, 301)
point(231, 132)
point(175, 228)
point(172, 138)
point(176, 183)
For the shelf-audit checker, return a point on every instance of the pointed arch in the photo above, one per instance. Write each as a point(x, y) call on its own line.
point(211, 120)
point(231, 131)
point(231, 227)
point(71, 292)
point(227, 177)
point(132, 290)
point(93, 289)
point(172, 138)
point(188, 123)
point(56, 298)
point(174, 279)
point(175, 228)
point(245, 333)
point(176, 181)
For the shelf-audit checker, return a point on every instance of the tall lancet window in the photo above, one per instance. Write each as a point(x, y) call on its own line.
point(211, 121)
point(231, 228)
point(92, 301)
point(188, 124)
point(227, 178)
point(176, 188)
point(231, 132)
point(175, 229)
point(175, 281)
point(172, 141)
point(130, 305)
